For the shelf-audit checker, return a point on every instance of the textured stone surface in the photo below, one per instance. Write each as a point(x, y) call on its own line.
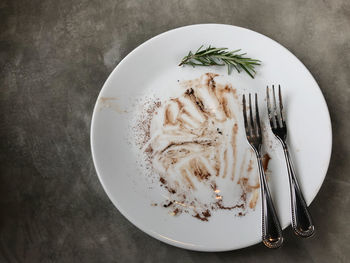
point(54, 58)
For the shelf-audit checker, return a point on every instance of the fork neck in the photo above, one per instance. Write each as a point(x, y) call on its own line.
point(284, 145)
point(257, 152)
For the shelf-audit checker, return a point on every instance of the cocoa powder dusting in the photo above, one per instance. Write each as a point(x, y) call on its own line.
point(149, 150)
point(143, 125)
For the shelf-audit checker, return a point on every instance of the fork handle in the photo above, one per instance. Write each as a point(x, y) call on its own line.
point(271, 228)
point(301, 218)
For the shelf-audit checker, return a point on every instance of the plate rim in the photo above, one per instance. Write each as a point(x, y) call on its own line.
point(153, 233)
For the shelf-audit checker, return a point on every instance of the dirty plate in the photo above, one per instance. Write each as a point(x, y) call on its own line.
point(216, 207)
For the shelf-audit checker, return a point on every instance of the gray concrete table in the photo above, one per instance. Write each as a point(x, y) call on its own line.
point(55, 57)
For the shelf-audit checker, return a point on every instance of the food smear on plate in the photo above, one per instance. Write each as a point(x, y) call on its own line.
point(189, 144)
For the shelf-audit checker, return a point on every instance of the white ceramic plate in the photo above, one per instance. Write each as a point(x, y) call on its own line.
point(152, 69)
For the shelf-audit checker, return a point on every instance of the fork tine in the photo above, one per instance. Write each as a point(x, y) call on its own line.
point(281, 105)
point(258, 130)
point(275, 107)
point(245, 116)
point(251, 114)
point(269, 107)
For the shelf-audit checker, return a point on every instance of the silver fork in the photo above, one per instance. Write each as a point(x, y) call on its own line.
point(301, 219)
point(271, 228)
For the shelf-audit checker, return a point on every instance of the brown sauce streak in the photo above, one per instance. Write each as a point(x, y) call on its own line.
point(173, 144)
point(254, 200)
point(168, 116)
point(218, 100)
point(204, 215)
point(242, 164)
point(198, 169)
point(234, 149)
point(196, 101)
point(169, 204)
point(225, 107)
point(200, 218)
point(244, 196)
point(187, 179)
point(162, 180)
point(178, 102)
point(246, 187)
point(234, 92)
point(185, 112)
point(210, 81)
point(250, 166)
point(265, 161)
point(226, 164)
point(182, 110)
point(183, 122)
point(220, 94)
point(217, 163)
point(221, 206)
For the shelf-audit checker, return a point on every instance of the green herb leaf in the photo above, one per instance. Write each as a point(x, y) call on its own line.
point(212, 56)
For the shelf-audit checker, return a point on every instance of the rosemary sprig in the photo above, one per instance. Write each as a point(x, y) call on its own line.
point(212, 56)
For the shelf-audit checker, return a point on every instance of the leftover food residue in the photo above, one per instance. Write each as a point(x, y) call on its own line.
point(189, 146)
